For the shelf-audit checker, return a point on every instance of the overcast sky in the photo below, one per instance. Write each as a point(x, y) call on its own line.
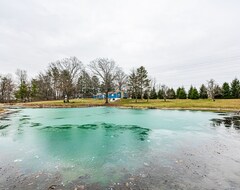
point(180, 42)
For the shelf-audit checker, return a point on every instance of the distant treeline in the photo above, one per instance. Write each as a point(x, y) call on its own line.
point(69, 78)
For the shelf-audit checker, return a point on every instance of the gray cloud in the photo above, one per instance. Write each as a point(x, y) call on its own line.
point(179, 42)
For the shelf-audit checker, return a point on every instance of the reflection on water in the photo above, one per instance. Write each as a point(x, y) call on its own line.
point(3, 126)
point(141, 132)
point(230, 120)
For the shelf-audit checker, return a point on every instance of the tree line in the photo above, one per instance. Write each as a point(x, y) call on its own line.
point(70, 78)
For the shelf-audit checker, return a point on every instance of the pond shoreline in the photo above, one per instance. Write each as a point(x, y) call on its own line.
point(7, 111)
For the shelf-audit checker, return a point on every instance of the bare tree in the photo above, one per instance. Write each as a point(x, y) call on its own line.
point(43, 82)
point(68, 71)
point(106, 70)
point(54, 72)
point(22, 76)
point(121, 78)
point(164, 90)
point(6, 88)
point(152, 82)
point(211, 88)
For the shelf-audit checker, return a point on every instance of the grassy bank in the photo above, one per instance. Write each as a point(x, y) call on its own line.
point(218, 105)
point(59, 103)
point(228, 104)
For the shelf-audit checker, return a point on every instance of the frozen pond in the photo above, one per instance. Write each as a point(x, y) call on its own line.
point(104, 148)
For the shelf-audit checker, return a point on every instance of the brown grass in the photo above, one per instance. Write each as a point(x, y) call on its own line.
point(221, 104)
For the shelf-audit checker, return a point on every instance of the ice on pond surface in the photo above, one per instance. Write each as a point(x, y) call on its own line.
point(151, 148)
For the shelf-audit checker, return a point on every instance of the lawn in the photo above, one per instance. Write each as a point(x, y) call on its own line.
point(60, 103)
point(219, 104)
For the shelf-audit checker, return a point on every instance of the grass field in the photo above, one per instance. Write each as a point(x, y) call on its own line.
point(218, 105)
point(60, 103)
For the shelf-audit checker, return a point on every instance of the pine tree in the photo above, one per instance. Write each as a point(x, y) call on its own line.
point(143, 80)
point(226, 92)
point(181, 93)
point(178, 92)
point(95, 84)
point(190, 92)
point(218, 92)
point(145, 95)
point(22, 92)
point(133, 83)
point(203, 92)
point(34, 89)
point(193, 93)
point(160, 94)
point(153, 94)
point(235, 88)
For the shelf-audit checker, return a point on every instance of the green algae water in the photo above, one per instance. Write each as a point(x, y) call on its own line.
point(128, 147)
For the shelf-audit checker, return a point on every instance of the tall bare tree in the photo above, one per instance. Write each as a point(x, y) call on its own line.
point(43, 83)
point(22, 76)
point(211, 88)
point(164, 90)
point(68, 70)
point(6, 88)
point(106, 70)
point(121, 79)
point(54, 72)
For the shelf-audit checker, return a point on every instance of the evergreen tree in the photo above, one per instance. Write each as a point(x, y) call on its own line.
point(178, 91)
point(203, 92)
point(190, 92)
point(193, 93)
point(226, 92)
point(95, 84)
point(133, 84)
point(143, 80)
point(160, 94)
point(235, 88)
point(181, 93)
point(218, 92)
point(145, 95)
point(34, 90)
point(153, 94)
point(22, 92)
